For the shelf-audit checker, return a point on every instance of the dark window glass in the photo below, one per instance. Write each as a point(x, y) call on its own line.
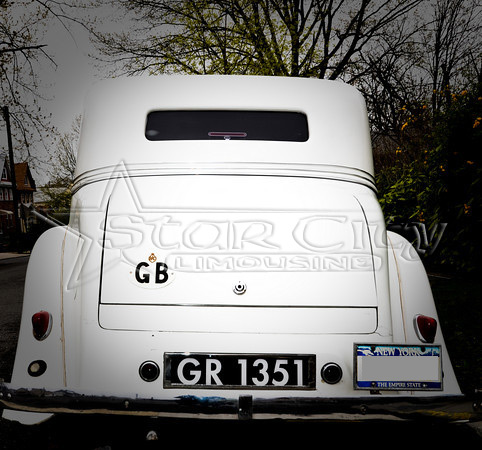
point(249, 125)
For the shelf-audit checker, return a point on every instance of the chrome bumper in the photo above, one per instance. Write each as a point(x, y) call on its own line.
point(444, 408)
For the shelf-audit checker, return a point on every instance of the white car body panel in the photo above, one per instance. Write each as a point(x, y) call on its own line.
point(295, 225)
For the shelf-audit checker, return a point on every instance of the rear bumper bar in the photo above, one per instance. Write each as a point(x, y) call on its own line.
point(445, 408)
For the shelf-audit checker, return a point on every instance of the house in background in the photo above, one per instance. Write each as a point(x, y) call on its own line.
point(6, 198)
point(25, 183)
point(25, 190)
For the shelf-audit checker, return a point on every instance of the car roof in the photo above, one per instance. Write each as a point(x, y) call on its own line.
point(116, 110)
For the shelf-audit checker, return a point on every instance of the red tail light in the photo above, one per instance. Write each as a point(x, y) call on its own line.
point(42, 325)
point(426, 328)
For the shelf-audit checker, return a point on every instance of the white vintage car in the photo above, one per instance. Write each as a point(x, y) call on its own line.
point(226, 257)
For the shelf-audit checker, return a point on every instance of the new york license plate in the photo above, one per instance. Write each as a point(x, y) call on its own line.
point(240, 371)
point(397, 367)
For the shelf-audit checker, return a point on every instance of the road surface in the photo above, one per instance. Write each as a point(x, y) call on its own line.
point(12, 278)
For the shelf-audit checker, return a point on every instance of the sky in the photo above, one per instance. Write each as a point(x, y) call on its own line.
point(74, 73)
point(65, 85)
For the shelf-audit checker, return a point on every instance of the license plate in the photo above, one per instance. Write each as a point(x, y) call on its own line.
point(240, 371)
point(397, 367)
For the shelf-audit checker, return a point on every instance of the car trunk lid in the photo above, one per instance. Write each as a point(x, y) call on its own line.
point(236, 254)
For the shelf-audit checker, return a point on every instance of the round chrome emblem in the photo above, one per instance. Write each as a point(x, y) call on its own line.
point(239, 288)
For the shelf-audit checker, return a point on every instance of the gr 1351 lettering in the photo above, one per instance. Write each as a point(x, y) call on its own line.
point(239, 371)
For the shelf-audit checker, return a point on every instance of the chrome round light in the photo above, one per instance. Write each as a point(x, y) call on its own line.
point(331, 373)
point(37, 368)
point(149, 371)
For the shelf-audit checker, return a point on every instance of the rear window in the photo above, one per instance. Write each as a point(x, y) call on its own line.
point(248, 125)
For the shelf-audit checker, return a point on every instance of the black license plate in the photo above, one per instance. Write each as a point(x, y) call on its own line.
point(242, 371)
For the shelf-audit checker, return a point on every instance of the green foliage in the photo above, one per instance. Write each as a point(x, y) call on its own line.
point(440, 182)
point(58, 199)
point(322, 39)
point(57, 202)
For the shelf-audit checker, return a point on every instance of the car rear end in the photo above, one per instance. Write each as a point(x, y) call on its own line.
point(227, 257)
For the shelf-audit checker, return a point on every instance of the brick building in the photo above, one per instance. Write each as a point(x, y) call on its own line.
point(25, 190)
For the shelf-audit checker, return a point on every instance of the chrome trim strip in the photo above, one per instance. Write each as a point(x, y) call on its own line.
point(122, 170)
